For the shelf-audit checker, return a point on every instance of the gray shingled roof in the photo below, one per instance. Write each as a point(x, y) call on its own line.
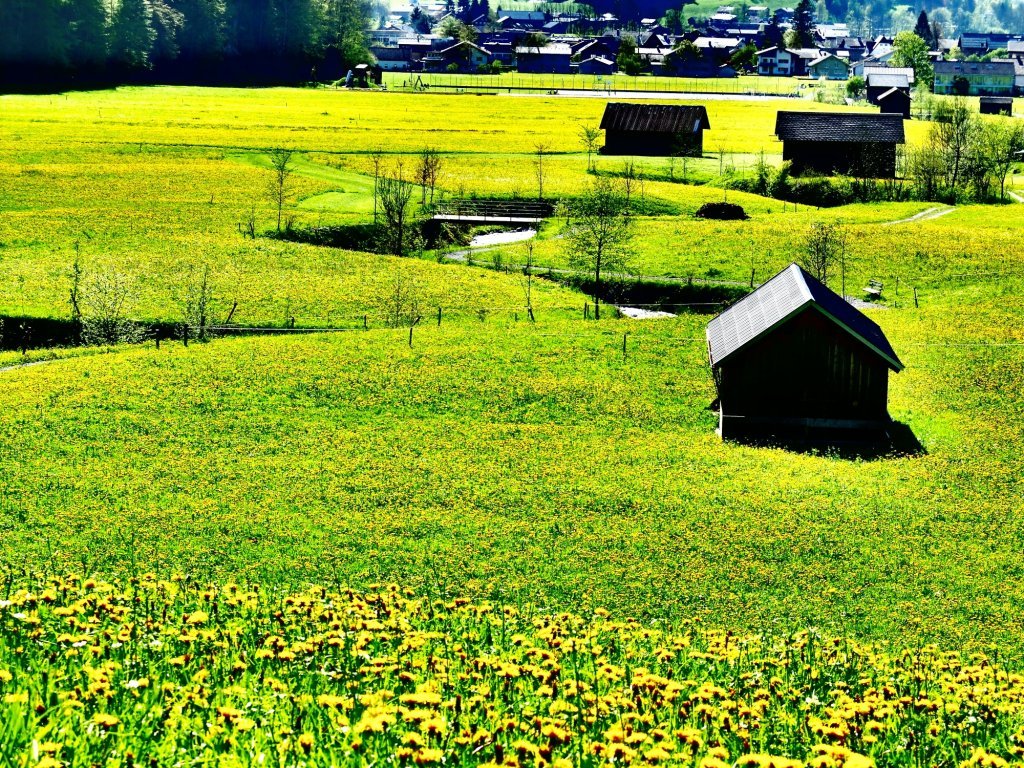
point(791, 291)
point(656, 118)
point(893, 92)
point(839, 126)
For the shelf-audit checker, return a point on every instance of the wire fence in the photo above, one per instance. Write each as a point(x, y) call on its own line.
point(774, 87)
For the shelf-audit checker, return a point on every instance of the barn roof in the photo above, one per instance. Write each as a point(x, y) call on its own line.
point(791, 291)
point(876, 79)
point(894, 92)
point(839, 126)
point(655, 118)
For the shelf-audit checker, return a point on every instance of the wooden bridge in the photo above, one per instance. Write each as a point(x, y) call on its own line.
point(490, 211)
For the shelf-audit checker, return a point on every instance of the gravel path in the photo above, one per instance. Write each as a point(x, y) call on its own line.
point(928, 215)
point(18, 366)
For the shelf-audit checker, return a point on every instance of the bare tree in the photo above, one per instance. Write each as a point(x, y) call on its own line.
point(1001, 141)
point(526, 280)
point(954, 133)
point(279, 188)
point(105, 297)
point(540, 150)
point(400, 301)
point(395, 195)
point(589, 136)
point(599, 232)
point(630, 179)
point(377, 157)
point(824, 249)
point(427, 173)
point(196, 300)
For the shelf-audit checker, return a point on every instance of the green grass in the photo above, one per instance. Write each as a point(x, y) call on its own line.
point(533, 456)
point(532, 465)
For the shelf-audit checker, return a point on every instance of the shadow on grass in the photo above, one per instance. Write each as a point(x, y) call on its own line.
point(895, 442)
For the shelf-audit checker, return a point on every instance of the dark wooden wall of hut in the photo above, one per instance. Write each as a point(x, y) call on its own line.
point(857, 158)
point(654, 144)
point(807, 368)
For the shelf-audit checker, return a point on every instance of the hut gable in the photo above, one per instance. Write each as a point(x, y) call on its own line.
point(791, 291)
point(794, 358)
point(654, 129)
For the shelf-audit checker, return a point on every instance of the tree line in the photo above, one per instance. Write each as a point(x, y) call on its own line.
point(56, 43)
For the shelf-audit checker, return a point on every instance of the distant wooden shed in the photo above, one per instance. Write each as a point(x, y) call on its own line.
point(895, 101)
point(996, 105)
point(840, 142)
point(655, 130)
point(794, 359)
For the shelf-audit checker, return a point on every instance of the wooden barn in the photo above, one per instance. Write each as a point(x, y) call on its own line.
point(895, 101)
point(996, 105)
point(795, 360)
point(654, 130)
point(840, 142)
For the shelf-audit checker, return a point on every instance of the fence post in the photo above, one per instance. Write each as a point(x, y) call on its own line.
point(365, 326)
point(184, 334)
point(438, 317)
point(410, 335)
point(586, 311)
point(915, 297)
point(624, 345)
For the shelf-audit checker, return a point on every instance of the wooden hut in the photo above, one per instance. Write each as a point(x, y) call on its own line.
point(895, 101)
point(655, 130)
point(996, 105)
point(795, 360)
point(840, 142)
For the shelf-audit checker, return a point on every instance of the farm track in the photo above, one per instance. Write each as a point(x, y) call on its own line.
point(1016, 197)
point(17, 366)
point(927, 215)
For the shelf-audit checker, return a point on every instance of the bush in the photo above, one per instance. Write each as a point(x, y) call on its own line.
point(721, 212)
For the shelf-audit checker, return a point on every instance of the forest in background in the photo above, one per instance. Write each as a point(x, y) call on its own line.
point(86, 43)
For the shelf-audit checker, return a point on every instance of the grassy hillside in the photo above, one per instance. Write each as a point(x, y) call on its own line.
point(530, 459)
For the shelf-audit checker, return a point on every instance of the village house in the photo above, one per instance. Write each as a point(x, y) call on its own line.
point(655, 130)
point(464, 56)
point(829, 67)
point(522, 19)
point(554, 58)
point(840, 142)
point(794, 359)
point(596, 65)
point(775, 61)
point(968, 78)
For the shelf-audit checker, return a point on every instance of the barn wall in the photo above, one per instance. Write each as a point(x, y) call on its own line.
point(841, 157)
point(653, 144)
point(807, 368)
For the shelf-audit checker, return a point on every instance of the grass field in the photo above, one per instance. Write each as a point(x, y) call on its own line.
point(197, 542)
